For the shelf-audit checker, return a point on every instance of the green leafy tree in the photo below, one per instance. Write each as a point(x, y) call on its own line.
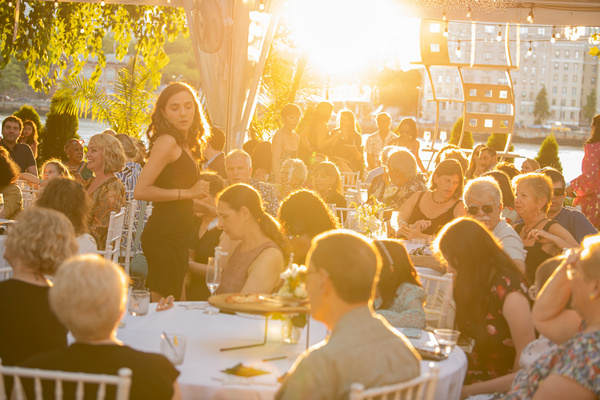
point(497, 141)
point(27, 112)
point(53, 40)
point(399, 89)
point(541, 110)
point(127, 110)
point(548, 153)
point(13, 81)
point(59, 128)
point(589, 110)
point(182, 66)
point(467, 142)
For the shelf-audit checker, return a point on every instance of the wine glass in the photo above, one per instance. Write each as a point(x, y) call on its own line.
point(443, 137)
point(395, 221)
point(426, 136)
point(213, 279)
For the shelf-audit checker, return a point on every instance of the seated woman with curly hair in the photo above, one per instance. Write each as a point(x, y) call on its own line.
point(37, 244)
point(304, 215)
point(9, 173)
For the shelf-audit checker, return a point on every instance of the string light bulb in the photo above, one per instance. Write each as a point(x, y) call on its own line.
point(458, 52)
point(530, 16)
point(261, 6)
point(530, 51)
point(56, 4)
point(444, 16)
point(499, 37)
point(446, 31)
point(553, 39)
point(102, 3)
point(469, 13)
point(10, 3)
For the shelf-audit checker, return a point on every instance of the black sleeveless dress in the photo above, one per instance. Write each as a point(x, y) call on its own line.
point(436, 223)
point(166, 236)
point(535, 254)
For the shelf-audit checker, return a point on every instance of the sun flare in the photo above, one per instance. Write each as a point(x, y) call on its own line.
point(352, 37)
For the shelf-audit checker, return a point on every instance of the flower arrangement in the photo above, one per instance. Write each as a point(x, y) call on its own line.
point(294, 287)
point(367, 216)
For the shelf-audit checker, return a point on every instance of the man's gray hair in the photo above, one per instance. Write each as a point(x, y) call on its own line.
point(403, 161)
point(239, 153)
point(484, 186)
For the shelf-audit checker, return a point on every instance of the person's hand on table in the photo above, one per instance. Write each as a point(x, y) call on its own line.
point(415, 230)
point(165, 303)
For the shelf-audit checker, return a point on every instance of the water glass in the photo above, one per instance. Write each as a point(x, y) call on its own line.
point(447, 339)
point(213, 280)
point(172, 346)
point(139, 300)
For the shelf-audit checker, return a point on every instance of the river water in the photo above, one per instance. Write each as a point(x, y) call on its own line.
point(570, 156)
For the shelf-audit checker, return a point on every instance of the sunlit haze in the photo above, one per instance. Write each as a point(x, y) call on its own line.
point(348, 38)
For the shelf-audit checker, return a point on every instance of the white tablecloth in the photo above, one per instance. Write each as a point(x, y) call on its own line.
point(200, 372)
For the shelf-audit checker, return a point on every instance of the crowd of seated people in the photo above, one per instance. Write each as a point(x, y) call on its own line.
point(497, 229)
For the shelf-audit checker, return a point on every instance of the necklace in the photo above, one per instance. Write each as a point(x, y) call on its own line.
point(527, 231)
point(440, 202)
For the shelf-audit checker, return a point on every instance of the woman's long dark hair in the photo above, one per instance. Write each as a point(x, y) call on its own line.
point(508, 197)
point(31, 139)
point(304, 213)
point(394, 271)
point(9, 170)
point(321, 115)
point(160, 126)
point(476, 256)
point(242, 195)
point(595, 133)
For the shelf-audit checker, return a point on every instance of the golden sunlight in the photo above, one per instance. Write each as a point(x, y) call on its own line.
point(352, 37)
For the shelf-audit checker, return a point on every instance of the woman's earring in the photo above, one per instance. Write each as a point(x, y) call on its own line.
point(594, 294)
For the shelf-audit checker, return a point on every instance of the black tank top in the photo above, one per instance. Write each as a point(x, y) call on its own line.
point(535, 254)
point(436, 223)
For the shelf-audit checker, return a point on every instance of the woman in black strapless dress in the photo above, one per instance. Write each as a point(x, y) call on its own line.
point(170, 180)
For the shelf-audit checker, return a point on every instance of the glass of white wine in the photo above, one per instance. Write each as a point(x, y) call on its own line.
point(213, 280)
point(443, 137)
point(426, 137)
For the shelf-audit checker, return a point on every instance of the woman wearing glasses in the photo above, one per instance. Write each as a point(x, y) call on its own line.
point(542, 237)
point(570, 370)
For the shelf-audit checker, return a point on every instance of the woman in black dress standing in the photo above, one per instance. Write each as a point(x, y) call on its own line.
point(170, 180)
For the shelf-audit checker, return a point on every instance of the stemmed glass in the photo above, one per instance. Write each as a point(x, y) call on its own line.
point(396, 221)
point(443, 137)
point(213, 279)
point(426, 137)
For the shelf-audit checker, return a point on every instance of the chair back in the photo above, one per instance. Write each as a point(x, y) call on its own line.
point(350, 180)
point(137, 215)
point(6, 273)
point(24, 377)
point(439, 308)
point(420, 388)
point(113, 237)
point(29, 197)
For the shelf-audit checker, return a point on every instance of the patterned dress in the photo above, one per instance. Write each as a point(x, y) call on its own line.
point(494, 356)
point(129, 176)
point(110, 196)
point(587, 185)
point(577, 360)
point(407, 309)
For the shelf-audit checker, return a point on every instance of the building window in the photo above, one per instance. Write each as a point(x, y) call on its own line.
point(555, 78)
point(576, 54)
point(448, 78)
point(557, 53)
point(522, 109)
point(573, 103)
point(533, 70)
point(523, 94)
point(575, 67)
point(565, 78)
point(574, 92)
point(563, 102)
point(543, 82)
point(531, 95)
point(440, 79)
point(564, 91)
point(566, 53)
point(543, 56)
point(553, 102)
point(594, 68)
point(541, 31)
point(523, 29)
point(543, 70)
point(575, 78)
point(487, 55)
point(530, 109)
point(532, 81)
point(501, 108)
point(489, 28)
point(554, 90)
point(572, 115)
point(552, 114)
point(555, 65)
point(593, 80)
point(566, 68)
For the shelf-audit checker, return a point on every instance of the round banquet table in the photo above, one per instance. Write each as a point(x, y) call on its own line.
point(201, 376)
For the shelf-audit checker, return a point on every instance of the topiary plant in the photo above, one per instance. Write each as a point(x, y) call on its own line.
point(467, 142)
point(28, 113)
point(548, 153)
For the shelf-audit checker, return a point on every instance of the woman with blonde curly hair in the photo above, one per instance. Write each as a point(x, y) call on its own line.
point(36, 246)
point(542, 238)
point(51, 169)
point(105, 157)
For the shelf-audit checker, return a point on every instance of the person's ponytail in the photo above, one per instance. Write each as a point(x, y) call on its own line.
point(271, 228)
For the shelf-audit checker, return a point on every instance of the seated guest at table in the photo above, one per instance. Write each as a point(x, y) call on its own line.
point(254, 265)
point(70, 198)
point(9, 174)
point(380, 186)
point(407, 137)
point(89, 298)
point(239, 170)
point(474, 168)
point(529, 165)
point(343, 271)
point(52, 168)
point(508, 196)
point(508, 168)
point(401, 295)
point(401, 168)
point(105, 157)
point(492, 307)
point(483, 201)
point(328, 184)
point(303, 215)
point(131, 172)
point(572, 220)
point(571, 370)
point(541, 237)
point(431, 209)
point(293, 176)
point(77, 166)
point(36, 246)
point(19, 152)
point(205, 237)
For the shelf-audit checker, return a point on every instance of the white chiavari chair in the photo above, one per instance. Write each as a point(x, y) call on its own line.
point(420, 388)
point(112, 248)
point(439, 306)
